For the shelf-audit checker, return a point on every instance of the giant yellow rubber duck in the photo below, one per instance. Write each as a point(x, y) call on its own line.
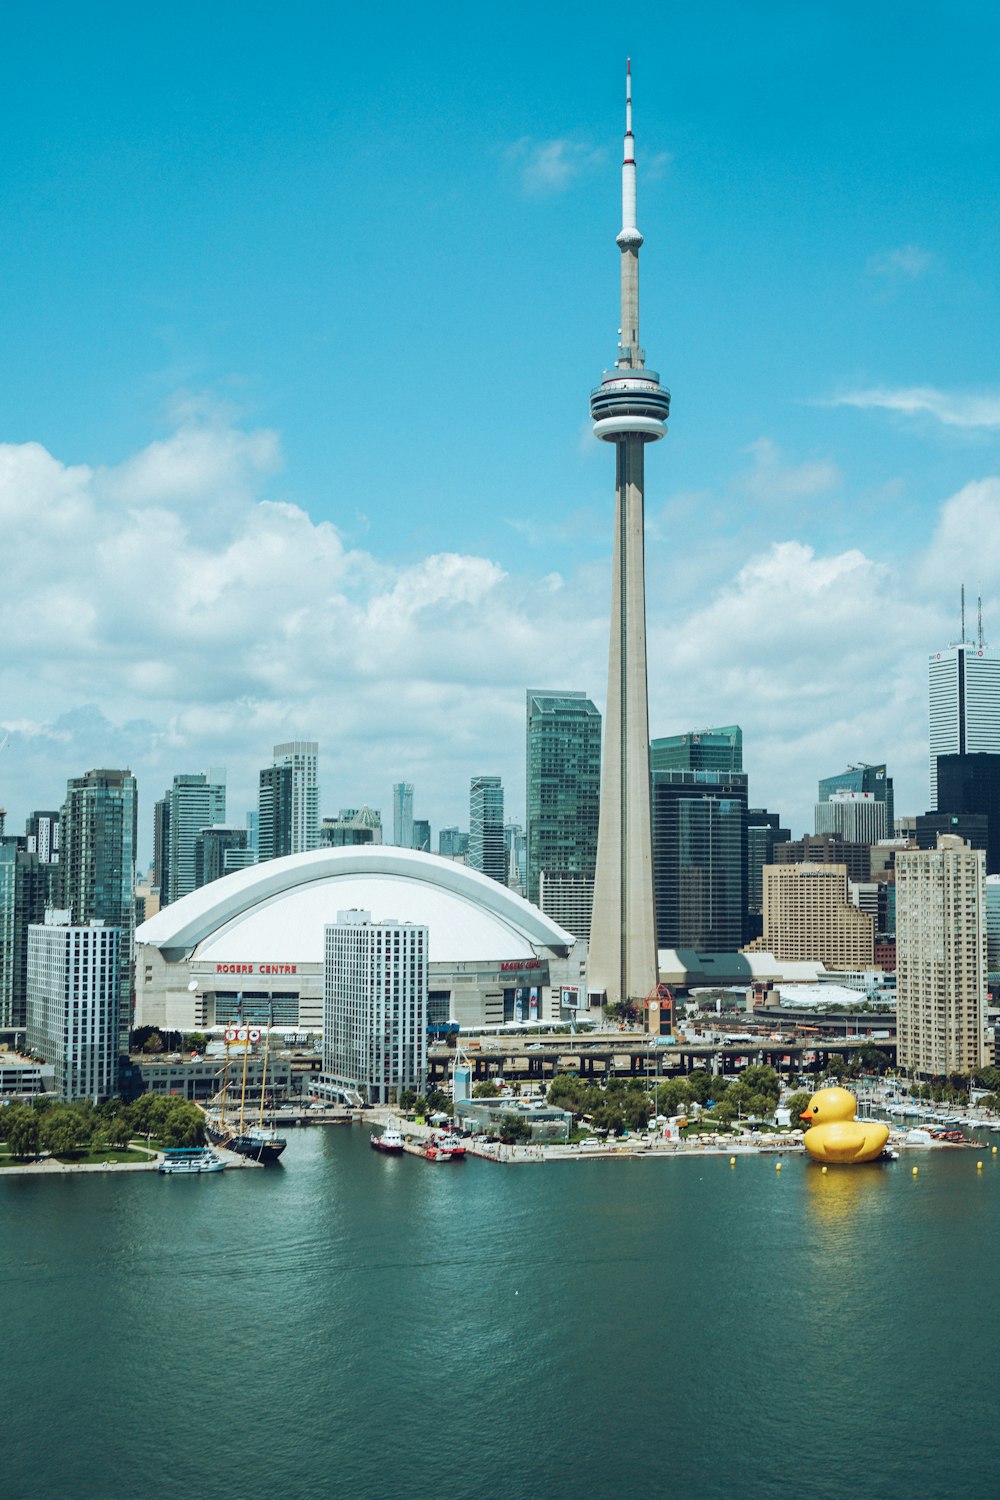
point(836, 1136)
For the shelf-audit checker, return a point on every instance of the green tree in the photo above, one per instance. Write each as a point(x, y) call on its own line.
point(118, 1128)
point(22, 1129)
point(407, 1098)
point(610, 1118)
point(797, 1104)
point(60, 1131)
point(486, 1088)
point(183, 1125)
point(635, 1109)
point(420, 1105)
point(514, 1129)
point(702, 1086)
point(438, 1102)
point(153, 1044)
point(761, 1079)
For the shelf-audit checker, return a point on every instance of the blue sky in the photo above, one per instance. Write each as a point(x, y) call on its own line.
point(301, 312)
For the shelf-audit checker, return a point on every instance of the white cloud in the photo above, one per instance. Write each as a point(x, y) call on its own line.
point(905, 261)
point(968, 410)
point(550, 166)
point(207, 636)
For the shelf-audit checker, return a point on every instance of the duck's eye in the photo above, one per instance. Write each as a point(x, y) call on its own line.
point(815, 1109)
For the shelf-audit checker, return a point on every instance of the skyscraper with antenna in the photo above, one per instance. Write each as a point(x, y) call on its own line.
point(964, 698)
point(629, 409)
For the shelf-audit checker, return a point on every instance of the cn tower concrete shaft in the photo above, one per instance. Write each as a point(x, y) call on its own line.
point(629, 409)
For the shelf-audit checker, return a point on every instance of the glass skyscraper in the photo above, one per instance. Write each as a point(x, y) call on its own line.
point(563, 787)
point(97, 839)
point(702, 750)
point(699, 858)
point(487, 851)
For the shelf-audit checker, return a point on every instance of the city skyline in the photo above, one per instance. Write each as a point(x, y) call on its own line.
point(236, 554)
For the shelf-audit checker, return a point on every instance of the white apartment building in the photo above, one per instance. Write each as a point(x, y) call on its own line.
point(72, 1004)
point(941, 958)
point(375, 1006)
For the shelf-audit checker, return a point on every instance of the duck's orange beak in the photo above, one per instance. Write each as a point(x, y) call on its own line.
point(806, 1115)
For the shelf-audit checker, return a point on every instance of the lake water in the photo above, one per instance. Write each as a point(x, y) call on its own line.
point(348, 1324)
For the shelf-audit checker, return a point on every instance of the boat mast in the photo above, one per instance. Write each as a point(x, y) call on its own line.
point(263, 1076)
point(243, 1085)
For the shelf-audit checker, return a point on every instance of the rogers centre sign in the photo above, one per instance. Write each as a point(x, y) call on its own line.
point(255, 969)
point(520, 963)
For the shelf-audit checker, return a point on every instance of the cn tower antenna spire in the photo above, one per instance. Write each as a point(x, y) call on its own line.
point(629, 240)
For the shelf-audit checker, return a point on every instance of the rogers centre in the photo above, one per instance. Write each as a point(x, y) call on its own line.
point(251, 944)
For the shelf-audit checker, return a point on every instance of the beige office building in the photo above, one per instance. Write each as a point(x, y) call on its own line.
point(941, 958)
point(808, 915)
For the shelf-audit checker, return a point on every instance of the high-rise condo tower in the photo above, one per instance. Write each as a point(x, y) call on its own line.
point(630, 409)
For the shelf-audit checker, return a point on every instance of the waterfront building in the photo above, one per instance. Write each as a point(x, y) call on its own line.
point(274, 812)
point(699, 858)
point(28, 885)
point(941, 956)
point(964, 689)
point(453, 843)
point(353, 825)
point(288, 801)
point(515, 844)
point(255, 940)
point(629, 409)
point(718, 750)
point(808, 915)
point(826, 849)
point(161, 849)
point(970, 783)
point(72, 1004)
point(193, 802)
point(302, 758)
point(402, 814)
point(41, 831)
point(568, 900)
point(863, 778)
point(857, 817)
point(486, 842)
point(764, 833)
point(563, 793)
point(219, 850)
point(97, 835)
point(375, 1006)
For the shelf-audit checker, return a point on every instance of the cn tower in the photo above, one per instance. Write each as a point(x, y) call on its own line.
point(630, 409)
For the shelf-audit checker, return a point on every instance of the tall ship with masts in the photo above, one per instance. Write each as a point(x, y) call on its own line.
point(257, 1140)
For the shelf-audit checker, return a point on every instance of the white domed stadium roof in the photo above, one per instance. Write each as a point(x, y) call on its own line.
point(277, 910)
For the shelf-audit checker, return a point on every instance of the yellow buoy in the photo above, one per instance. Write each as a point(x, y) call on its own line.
point(732, 1161)
point(777, 1166)
point(915, 1171)
point(979, 1166)
point(994, 1150)
point(824, 1171)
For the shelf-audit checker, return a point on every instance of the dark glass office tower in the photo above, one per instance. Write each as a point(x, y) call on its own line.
point(699, 858)
point(970, 784)
point(702, 750)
